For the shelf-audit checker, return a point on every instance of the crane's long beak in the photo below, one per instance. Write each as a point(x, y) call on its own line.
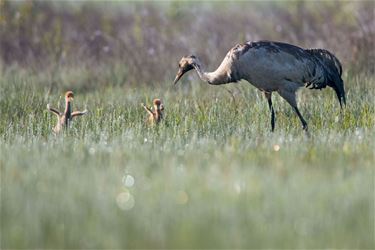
point(182, 71)
point(178, 76)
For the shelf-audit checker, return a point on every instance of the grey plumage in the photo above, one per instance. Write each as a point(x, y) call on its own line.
point(274, 66)
point(332, 72)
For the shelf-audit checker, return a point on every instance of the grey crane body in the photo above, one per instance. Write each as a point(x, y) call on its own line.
point(274, 66)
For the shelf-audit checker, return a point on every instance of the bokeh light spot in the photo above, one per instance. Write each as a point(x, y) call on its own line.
point(128, 180)
point(125, 201)
point(182, 198)
point(92, 151)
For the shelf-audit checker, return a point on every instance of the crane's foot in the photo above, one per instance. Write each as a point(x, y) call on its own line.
point(306, 130)
point(272, 128)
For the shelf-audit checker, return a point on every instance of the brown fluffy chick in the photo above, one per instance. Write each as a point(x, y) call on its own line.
point(65, 118)
point(155, 115)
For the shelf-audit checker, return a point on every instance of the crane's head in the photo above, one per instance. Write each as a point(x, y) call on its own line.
point(186, 64)
point(69, 96)
point(158, 104)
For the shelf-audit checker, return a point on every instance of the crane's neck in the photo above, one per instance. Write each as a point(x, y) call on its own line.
point(158, 113)
point(217, 77)
point(68, 108)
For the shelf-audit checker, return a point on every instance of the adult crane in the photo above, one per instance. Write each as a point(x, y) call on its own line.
point(274, 66)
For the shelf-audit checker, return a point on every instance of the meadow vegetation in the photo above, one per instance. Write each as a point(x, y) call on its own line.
point(212, 175)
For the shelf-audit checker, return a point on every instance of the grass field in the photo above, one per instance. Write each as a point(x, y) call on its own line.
point(211, 176)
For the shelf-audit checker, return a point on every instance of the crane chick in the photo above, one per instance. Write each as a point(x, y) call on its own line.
point(155, 115)
point(65, 118)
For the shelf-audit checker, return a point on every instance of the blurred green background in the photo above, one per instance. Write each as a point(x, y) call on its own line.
point(212, 175)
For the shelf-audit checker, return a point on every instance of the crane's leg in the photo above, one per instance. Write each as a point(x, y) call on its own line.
point(269, 98)
point(290, 97)
point(304, 123)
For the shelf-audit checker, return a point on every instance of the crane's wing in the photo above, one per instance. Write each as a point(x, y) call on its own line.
point(55, 111)
point(79, 113)
point(147, 109)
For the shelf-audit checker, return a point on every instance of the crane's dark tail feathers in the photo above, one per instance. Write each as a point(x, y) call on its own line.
point(333, 71)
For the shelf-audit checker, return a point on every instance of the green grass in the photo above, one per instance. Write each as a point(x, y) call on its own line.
point(208, 177)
